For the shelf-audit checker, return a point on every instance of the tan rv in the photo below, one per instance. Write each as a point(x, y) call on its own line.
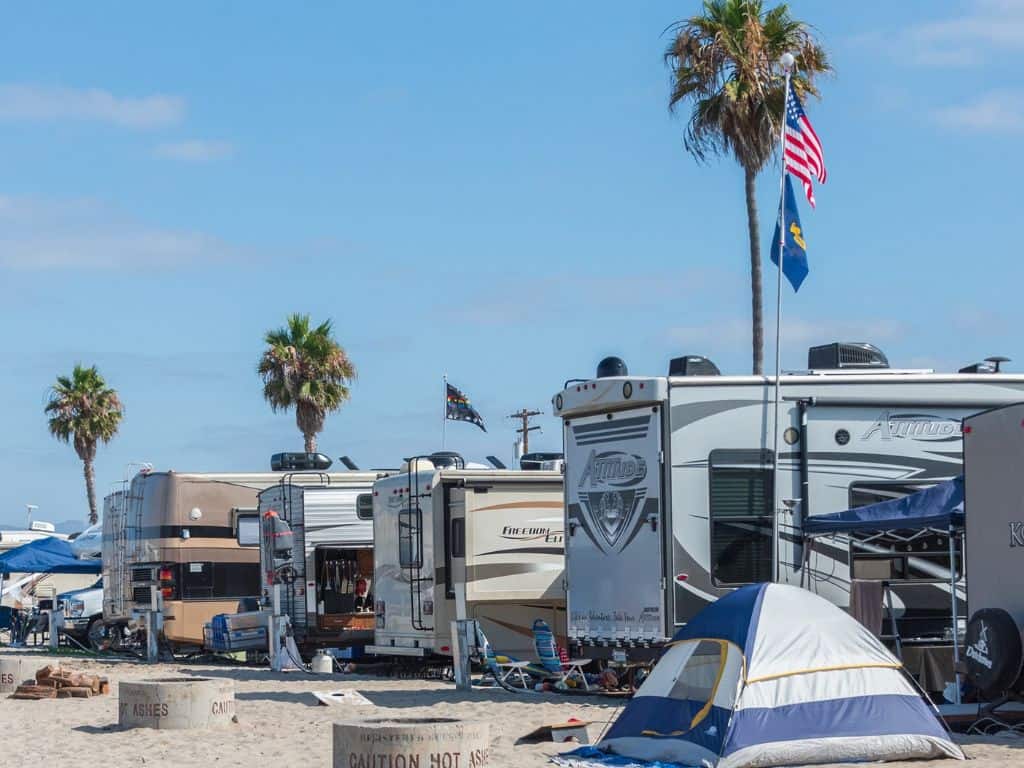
point(455, 542)
point(195, 536)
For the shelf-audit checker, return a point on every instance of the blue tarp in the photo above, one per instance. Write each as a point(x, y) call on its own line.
point(48, 555)
point(940, 506)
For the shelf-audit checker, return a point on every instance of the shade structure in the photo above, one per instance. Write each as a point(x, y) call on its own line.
point(47, 555)
point(941, 506)
point(775, 675)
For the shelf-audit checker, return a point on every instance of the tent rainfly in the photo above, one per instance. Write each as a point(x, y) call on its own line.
point(774, 675)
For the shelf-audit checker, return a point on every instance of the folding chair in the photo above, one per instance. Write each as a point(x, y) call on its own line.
point(547, 651)
point(502, 668)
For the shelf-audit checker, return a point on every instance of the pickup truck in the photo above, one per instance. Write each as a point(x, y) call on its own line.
point(83, 614)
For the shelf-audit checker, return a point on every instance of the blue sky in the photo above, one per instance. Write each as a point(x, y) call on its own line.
point(495, 192)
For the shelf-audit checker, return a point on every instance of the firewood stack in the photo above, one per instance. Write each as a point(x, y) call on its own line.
point(59, 683)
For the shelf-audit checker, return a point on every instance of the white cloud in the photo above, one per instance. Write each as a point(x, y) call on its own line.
point(40, 234)
point(992, 112)
point(20, 101)
point(794, 332)
point(965, 40)
point(196, 150)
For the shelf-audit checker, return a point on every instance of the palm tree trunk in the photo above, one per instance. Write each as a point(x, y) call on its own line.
point(90, 490)
point(310, 438)
point(757, 311)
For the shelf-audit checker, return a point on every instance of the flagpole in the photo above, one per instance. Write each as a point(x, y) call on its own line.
point(786, 61)
point(444, 411)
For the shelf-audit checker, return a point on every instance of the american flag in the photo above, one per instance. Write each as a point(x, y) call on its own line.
point(804, 156)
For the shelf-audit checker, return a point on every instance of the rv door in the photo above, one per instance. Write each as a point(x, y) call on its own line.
point(615, 527)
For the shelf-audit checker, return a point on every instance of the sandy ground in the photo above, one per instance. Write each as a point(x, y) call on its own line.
point(279, 723)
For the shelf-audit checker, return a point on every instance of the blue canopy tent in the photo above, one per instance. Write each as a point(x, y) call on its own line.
point(47, 555)
point(938, 508)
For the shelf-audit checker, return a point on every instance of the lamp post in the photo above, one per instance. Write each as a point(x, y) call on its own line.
point(29, 509)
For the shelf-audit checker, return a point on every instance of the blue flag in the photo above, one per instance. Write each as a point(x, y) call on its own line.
point(794, 265)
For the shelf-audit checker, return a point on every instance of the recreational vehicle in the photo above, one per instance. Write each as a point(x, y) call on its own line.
point(326, 585)
point(674, 496)
point(453, 542)
point(189, 541)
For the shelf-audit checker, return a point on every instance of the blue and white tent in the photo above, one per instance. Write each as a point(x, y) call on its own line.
point(773, 675)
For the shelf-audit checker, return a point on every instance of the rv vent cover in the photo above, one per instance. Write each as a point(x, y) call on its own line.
point(846, 354)
point(692, 365)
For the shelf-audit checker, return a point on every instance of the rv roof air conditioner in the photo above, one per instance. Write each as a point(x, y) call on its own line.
point(447, 460)
point(612, 366)
point(846, 354)
point(692, 365)
point(990, 365)
point(298, 462)
point(541, 460)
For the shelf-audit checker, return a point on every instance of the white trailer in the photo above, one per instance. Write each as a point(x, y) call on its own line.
point(994, 504)
point(462, 543)
point(672, 499)
point(328, 592)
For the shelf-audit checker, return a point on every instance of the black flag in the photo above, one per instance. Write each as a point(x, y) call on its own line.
point(460, 409)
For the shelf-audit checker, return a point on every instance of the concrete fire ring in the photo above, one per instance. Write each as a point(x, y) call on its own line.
point(176, 703)
point(12, 673)
point(411, 742)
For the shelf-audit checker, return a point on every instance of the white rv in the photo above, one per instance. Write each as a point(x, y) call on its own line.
point(327, 590)
point(671, 498)
point(452, 542)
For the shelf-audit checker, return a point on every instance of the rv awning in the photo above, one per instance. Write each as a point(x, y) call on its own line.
point(48, 555)
point(941, 506)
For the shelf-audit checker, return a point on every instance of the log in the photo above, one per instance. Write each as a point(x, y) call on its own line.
point(45, 672)
point(104, 686)
point(35, 692)
point(74, 692)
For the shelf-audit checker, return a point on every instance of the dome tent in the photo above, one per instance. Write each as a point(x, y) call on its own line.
point(773, 675)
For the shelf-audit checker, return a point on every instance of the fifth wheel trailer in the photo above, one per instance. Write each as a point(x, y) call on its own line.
point(453, 542)
point(994, 506)
point(671, 500)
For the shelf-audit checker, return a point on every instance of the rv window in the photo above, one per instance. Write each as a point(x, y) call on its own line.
point(248, 530)
point(741, 524)
point(216, 581)
point(364, 506)
point(410, 538)
point(459, 537)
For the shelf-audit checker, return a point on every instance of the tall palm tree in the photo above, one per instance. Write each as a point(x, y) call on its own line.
point(724, 65)
point(84, 411)
point(305, 368)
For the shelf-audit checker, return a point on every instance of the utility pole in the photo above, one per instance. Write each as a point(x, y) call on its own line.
point(524, 415)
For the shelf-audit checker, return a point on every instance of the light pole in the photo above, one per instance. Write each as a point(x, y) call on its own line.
point(29, 509)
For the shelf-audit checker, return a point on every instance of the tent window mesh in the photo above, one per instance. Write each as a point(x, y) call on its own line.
point(741, 524)
point(697, 678)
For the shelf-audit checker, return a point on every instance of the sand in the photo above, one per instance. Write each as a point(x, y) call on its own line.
point(280, 724)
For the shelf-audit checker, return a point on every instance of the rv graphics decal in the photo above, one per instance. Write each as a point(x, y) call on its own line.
point(1017, 533)
point(608, 490)
point(913, 426)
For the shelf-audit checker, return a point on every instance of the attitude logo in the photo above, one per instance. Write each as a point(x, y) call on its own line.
point(913, 426)
point(608, 490)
